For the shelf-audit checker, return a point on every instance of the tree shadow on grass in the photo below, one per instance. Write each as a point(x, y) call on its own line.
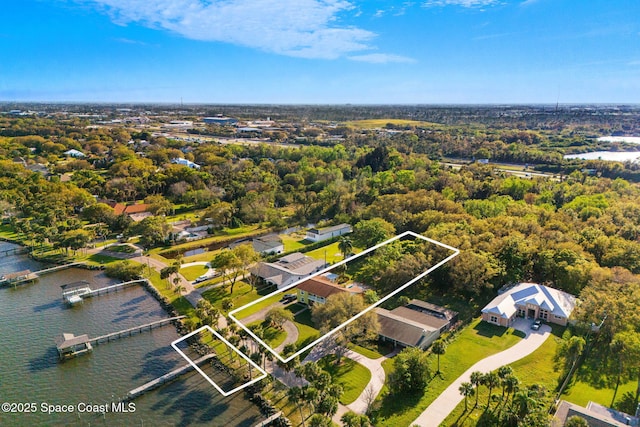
point(394, 404)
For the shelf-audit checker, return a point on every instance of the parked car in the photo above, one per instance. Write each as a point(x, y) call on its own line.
point(287, 298)
point(536, 325)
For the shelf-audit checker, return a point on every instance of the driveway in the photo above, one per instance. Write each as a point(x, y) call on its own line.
point(451, 397)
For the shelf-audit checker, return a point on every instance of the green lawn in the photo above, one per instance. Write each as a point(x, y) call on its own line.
point(306, 332)
point(97, 259)
point(193, 272)
point(372, 350)
point(537, 368)
point(293, 242)
point(353, 376)
point(475, 342)
point(178, 302)
point(330, 252)
point(242, 294)
point(581, 393)
point(272, 336)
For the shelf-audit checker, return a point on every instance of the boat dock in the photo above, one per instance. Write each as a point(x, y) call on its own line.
point(166, 378)
point(71, 346)
point(74, 293)
point(28, 276)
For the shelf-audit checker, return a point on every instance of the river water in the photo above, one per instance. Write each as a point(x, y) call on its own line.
point(33, 315)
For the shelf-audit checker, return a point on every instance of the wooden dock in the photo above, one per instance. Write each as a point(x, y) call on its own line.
point(166, 378)
point(128, 332)
point(31, 276)
point(70, 345)
point(112, 288)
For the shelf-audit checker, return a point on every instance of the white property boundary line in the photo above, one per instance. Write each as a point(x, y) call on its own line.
point(362, 313)
point(206, 377)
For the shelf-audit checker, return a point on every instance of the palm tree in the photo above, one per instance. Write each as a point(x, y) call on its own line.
point(511, 384)
point(503, 373)
point(491, 380)
point(476, 380)
point(438, 348)
point(345, 245)
point(466, 389)
point(295, 394)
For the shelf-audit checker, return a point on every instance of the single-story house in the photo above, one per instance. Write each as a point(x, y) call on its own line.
point(530, 300)
point(136, 212)
point(417, 324)
point(594, 414)
point(287, 270)
point(74, 153)
point(185, 162)
point(320, 234)
point(267, 245)
point(317, 289)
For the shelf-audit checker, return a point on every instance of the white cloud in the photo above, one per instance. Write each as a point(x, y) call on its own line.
point(462, 3)
point(381, 58)
point(299, 28)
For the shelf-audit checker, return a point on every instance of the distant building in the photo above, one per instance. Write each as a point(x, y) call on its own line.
point(267, 245)
point(320, 234)
point(417, 324)
point(530, 300)
point(74, 153)
point(185, 162)
point(287, 270)
point(220, 121)
point(136, 212)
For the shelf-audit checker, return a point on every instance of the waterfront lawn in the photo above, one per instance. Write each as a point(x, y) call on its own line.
point(242, 295)
point(178, 302)
point(97, 259)
point(475, 342)
point(7, 232)
point(193, 272)
point(536, 368)
point(351, 375)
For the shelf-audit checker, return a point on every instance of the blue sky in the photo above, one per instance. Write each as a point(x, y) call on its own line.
point(321, 51)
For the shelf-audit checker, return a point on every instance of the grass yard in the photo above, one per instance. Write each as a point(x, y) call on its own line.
point(307, 333)
point(193, 272)
point(180, 303)
point(537, 368)
point(353, 376)
point(475, 342)
point(581, 393)
point(272, 336)
point(242, 294)
point(372, 350)
point(294, 242)
point(331, 252)
point(97, 259)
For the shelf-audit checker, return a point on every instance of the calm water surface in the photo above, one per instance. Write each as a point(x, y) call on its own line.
point(33, 315)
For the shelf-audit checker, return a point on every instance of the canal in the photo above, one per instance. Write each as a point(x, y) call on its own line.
point(33, 315)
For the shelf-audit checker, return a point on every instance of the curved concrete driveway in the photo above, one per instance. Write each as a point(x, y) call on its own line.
point(451, 397)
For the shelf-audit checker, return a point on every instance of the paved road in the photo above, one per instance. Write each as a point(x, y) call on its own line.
point(440, 408)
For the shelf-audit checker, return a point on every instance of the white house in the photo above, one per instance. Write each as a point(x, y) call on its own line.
point(530, 300)
point(320, 234)
point(287, 269)
point(185, 162)
point(74, 153)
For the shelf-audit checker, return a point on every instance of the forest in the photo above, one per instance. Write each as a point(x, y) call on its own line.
point(576, 229)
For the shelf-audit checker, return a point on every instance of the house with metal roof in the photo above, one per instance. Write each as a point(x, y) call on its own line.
point(530, 300)
point(320, 234)
point(417, 324)
point(287, 270)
